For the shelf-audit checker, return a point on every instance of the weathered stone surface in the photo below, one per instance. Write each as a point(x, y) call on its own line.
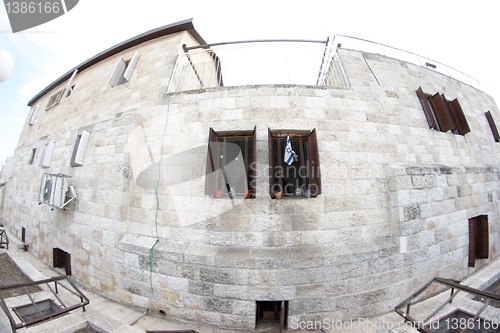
point(143, 218)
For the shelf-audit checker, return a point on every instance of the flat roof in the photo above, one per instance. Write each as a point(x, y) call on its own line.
point(186, 25)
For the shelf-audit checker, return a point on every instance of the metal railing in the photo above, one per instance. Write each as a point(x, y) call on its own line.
point(31, 302)
point(298, 62)
point(354, 43)
point(432, 305)
point(253, 62)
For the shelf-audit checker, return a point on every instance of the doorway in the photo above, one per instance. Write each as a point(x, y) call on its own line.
point(271, 314)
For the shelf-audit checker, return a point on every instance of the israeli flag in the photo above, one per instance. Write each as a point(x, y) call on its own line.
point(290, 155)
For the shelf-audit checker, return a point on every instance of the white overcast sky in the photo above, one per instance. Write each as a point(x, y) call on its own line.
point(460, 33)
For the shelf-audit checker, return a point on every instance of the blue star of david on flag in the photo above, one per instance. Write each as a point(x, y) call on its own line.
point(290, 155)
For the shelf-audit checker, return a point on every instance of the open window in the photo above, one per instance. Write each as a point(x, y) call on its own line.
point(230, 169)
point(493, 126)
point(33, 110)
point(443, 115)
point(123, 70)
point(55, 99)
point(302, 176)
point(478, 239)
point(80, 149)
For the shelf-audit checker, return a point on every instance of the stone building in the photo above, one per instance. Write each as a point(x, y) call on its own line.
point(152, 183)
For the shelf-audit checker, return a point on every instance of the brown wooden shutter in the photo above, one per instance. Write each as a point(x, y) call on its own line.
point(282, 316)
point(472, 242)
point(272, 180)
point(314, 171)
point(58, 258)
point(427, 109)
point(493, 126)
point(456, 109)
point(212, 162)
point(440, 107)
point(67, 263)
point(482, 237)
point(253, 163)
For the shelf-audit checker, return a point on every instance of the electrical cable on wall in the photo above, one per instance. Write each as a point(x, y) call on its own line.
point(157, 198)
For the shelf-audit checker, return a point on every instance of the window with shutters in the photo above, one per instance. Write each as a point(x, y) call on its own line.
point(123, 70)
point(230, 167)
point(80, 149)
point(443, 115)
point(46, 157)
point(493, 126)
point(55, 99)
point(302, 176)
point(478, 239)
point(34, 110)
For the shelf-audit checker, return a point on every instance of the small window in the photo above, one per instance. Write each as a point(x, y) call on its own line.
point(61, 259)
point(493, 126)
point(478, 239)
point(79, 149)
point(55, 99)
point(443, 115)
point(34, 109)
point(46, 157)
point(123, 70)
point(69, 91)
point(33, 153)
point(300, 175)
point(230, 167)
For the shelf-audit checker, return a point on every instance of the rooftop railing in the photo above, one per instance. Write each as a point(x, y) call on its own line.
point(365, 45)
point(299, 62)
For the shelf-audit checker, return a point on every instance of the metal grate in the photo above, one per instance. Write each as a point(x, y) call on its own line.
point(37, 310)
point(292, 179)
point(235, 160)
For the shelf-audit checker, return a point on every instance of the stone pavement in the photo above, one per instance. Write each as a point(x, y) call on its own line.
point(108, 316)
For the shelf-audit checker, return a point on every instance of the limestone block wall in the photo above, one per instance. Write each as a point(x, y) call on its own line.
point(93, 97)
point(393, 213)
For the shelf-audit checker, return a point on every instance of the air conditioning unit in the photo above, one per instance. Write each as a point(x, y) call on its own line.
point(55, 191)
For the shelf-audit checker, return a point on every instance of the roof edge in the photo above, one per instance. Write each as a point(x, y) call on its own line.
point(185, 25)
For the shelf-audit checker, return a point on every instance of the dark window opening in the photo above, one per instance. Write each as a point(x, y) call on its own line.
point(443, 115)
point(62, 259)
point(231, 164)
point(69, 91)
point(302, 176)
point(478, 239)
point(271, 313)
point(493, 126)
point(33, 153)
